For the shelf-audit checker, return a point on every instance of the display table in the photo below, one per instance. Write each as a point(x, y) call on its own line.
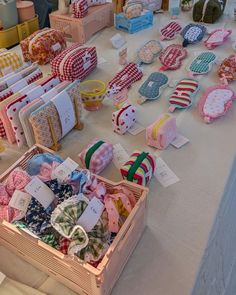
point(180, 217)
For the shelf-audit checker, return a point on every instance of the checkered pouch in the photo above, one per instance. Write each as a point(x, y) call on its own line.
point(74, 63)
point(9, 62)
point(96, 155)
point(79, 8)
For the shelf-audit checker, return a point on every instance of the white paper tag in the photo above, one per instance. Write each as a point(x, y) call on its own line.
point(164, 174)
point(65, 108)
point(179, 141)
point(101, 60)
point(49, 95)
point(91, 214)
point(2, 277)
point(136, 129)
point(64, 169)
point(7, 70)
point(20, 200)
point(117, 41)
point(29, 233)
point(120, 156)
point(56, 46)
point(40, 191)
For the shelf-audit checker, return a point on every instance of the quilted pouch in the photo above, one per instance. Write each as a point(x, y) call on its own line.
point(193, 33)
point(169, 31)
point(227, 70)
point(152, 88)
point(74, 63)
point(217, 37)
point(80, 8)
point(162, 132)
point(202, 64)
point(123, 119)
point(183, 95)
point(215, 102)
point(9, 62)
point(133, 10)
point(171, 57)
point(124, 79)
point(96, 155)
point(139, 168)
point(149, 51)
point(55, 119)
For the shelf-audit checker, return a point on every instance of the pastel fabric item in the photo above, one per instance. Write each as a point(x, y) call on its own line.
point(26, 111)
point(193, 33)
point(88, 246)
point(7, 213)
point(149, 51)
point(152, 88)
point(227, 69)
point(203, 63)
point(43, 45)
point(39, 118)
point(24, 66)
point(217, 37)
point(9, 59)
point(124, 119)
point(74, 63)
point(15, 106)
point(96, 2)
point(132, 10)
point(17, 180)
point(4, 196)
point(80, 8)
point(162, 132)
point(169, 31)
point(139, 168)
point(124, 78)
point(171, 57)
point(215, 102)
point(183, 95)
point(96, 155)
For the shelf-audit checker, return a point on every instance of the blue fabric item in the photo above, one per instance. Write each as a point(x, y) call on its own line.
point(77, 180)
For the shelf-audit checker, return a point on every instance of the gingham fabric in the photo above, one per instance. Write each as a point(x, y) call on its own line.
point(74, 63)
point(9, 59)
point(125, 78)
point(139, 168)
point(171, 57)
point(170, 31)
point(79, 8)
point(96, 156)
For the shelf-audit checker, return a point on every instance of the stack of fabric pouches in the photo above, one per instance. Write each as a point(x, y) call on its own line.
point(59, 224)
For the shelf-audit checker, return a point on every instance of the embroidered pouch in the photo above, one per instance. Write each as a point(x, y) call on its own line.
point(139, 168)
point(162, 132)
point(193, 33)
point(123, 119)
point(152, 88)
point(149, 51)
point(183, 95)
point(169, 31)
point(171, 57)
point(202, 64)
point(215, 102)
point(227, 70)
point(217, 38)
point(96, 156)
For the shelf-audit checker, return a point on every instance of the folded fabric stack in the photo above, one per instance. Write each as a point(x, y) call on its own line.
point(66, 222)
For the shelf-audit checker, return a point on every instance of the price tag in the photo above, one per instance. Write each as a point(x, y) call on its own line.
point(120, 156)
point(118, 41)
point(91, 214)
point(2, 277)
point(40, 192)
point(164, 174)
point(179, 141)
point(136, 129)
point(56, 46)
point(20, 200)
point(64, 169)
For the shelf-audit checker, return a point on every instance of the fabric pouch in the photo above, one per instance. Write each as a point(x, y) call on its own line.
point(80, 8)
point(217, 37)
point(171, 57)
point(169, 31)
point(149, 51)
point(124, 119)
point(227, 69)
point(133, 9)
point(193, 33)
point(202, 64)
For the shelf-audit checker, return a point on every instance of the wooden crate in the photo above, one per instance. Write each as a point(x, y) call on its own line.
point(82, 29)
point(71, 271)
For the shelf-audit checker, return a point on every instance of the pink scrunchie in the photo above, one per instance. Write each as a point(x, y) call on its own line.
point(7, 213)
point(4, 196)
point(17, 180)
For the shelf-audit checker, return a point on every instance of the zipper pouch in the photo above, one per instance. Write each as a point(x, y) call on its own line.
point(123, 119)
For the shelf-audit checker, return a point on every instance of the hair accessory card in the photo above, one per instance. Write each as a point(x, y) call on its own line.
point(215, 102)
point(202, 64)
point(193, 33)
point(183, 95)
point(149, 51)
point(152, 88)
point(171, 57)
point(227, 70)
point(123, 119)
point(217, 37)
point(169, 31)
point(162, 132)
